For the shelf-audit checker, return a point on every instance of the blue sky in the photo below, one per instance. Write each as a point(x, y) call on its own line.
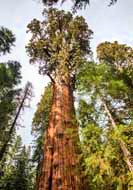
point(107, 23)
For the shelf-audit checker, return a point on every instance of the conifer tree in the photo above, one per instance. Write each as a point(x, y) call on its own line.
point(106, 117)
point(15, 167)
point(18, 172)
point(59, 45)
point(39, 128)
point(22, 179)
point(12, 122)
point(10, 77)
point(7, 40)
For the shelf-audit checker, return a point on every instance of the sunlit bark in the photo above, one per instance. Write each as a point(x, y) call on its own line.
point(59, 169)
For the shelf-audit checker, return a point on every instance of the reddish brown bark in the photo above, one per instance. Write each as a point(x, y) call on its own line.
point(59, 169)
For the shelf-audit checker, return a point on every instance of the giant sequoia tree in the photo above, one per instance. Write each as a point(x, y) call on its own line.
point(59, 45)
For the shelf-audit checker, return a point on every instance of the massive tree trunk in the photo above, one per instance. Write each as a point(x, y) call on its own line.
point(59, 168)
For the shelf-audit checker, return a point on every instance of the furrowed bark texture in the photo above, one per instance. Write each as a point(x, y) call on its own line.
point(60, 158)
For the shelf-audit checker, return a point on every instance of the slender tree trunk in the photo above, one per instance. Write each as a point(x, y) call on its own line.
point(13, 125)
point(126, 153)
point(59, 170)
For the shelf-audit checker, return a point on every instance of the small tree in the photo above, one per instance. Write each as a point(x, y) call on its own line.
point(18, 171)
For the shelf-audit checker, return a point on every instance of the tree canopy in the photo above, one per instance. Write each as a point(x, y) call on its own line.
point(15, 166)
point(7, 40)
point(105, 117)
point(59, 44)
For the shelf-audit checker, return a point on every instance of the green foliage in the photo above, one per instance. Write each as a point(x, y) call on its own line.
point(120, 55)
point(7, 40)
point(40, 124)
point(119, 58)
point(9, 74)
point(22, 179)
point(59, 44)
point(41, 115)
point(9, 78)
point(106, 80)
point(17, 171)
point(103, 160)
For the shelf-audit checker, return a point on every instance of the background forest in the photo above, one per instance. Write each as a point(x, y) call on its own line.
point(102, 82)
